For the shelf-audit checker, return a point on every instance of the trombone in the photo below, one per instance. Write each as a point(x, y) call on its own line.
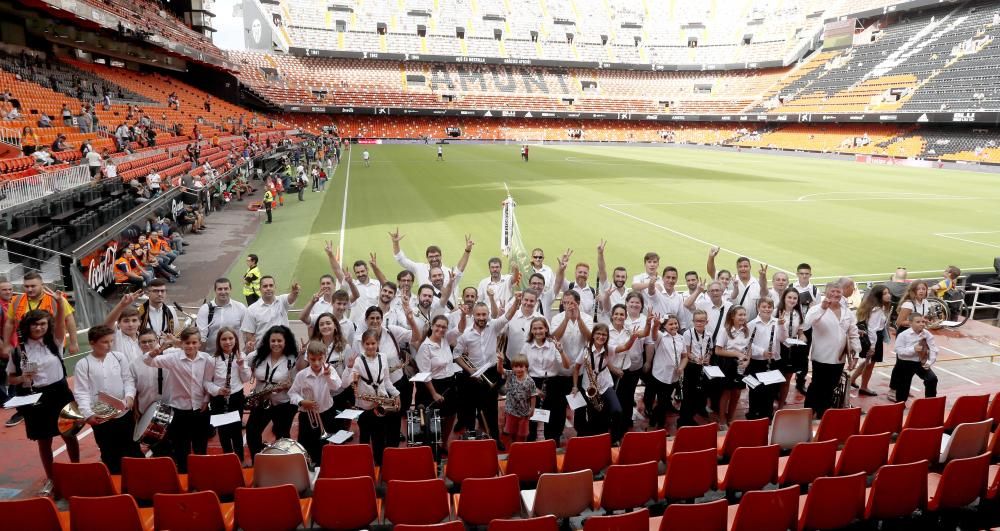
point(315, 420)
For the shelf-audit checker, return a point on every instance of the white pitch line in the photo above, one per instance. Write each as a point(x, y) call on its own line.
point(881, 194)
point(83, 435)
point(768, 201)
point(343, 217)
point(942, 235)
point(690, 237)
point(968, 232)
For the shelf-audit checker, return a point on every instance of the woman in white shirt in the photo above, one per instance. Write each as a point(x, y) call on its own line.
point(435, 356)
point(597, 357)
point(794, 357)
point(665, 366)
point(873, 322)
point(274, 366)
point(634, 318)
point(229, 372)
point(732, 352)
point(545, 357)
point(913, 301)
point(340, 356)
point(626, 344)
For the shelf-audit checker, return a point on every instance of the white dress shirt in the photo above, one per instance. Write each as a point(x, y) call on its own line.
point(543, 360)
point(317, 387)
point(518, 329)
point(261, 316)
point(110, 375)
point(320, 307)
point(734, 340)
point(546, 273)
point(421, 270)
point(907, 341)
point(187, 385)
point(147, 384)
point(600, 360)
point(716, 318)
point(831, 334)
point(270, 372)
point(617, 338)
point(229, 315)
point(49, 369)
point(664, 303)
point(338, 360)
point(435, 358)
point(877, 322)
point(696, 346)
point(129, 346)
point(765, 338)
point(391, 340)
point(588, 297)
point(238, 374)
point(377, 383)
point(667, 357)
point(572, 339)
point(747, 296)
point(501, 291)
point(915, 307)
point(481, 345)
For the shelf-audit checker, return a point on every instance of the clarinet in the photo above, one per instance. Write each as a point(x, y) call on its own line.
point(770, 345)
point(229, 373)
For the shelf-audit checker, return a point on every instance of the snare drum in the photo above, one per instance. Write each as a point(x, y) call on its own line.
point(287, 447)
point(152, 427)
point(423, 427)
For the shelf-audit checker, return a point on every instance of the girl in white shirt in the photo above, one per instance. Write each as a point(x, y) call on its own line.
point(873, 321)
point(596, 356)
point(698, 353)
point(794, 358)
point(764, 356)
point(626, 344)
point(913, 301)
point(340, 356)
point(665, 366)
point(732, 351)
point(435, 356)
point(545, 356)
point(230, 372)
point(370, 375)
point(273, 365)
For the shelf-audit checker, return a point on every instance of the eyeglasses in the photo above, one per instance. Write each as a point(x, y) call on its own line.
point(538, 257)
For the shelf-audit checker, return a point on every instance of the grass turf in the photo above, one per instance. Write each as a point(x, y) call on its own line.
point(842, 217)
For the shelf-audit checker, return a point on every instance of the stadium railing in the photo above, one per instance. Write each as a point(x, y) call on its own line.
point(25, 189)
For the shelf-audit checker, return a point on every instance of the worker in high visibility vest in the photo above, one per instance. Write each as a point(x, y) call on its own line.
point(251, 280)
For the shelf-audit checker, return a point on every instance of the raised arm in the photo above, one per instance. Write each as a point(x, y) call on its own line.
point(59, 319)
point(557, 282)
point(710, 267)
point(294, 294)
point(693, 296)
point(304, 315)
point(334, 263)
point(602, 270)
point(762, 280)
point(464, 260)
point(127, 300)
point(375, 269)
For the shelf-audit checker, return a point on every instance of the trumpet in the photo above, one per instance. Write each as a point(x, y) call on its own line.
point(482, 377)
point(315, 420)
point(71, 421)
point(593, 396)
point(384, 405)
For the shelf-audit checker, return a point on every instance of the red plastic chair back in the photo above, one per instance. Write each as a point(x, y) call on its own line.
point(808, 461)
point(143, 477)
point(967, 408)
point(926, 413)
point(529, 460)
point(417, 502)
point(641, 446)
point(694, 438)
point(629, 486)
point(689, 475)
point(38, 514)
point(633, 521)
point(344, 503)
point(883, 418)
point(267, 508)
point(839, 424)
point(407, 464)
point(471, 459)
point(193, 511)
point(485, 499)
point(751, 468)
point(82, 479)
point(219, 473)
point(994, 411)
point(118, 512)
point(453, 525)
point(767, 510)
point(863, 453)
point(593, 452)
point(744, 433)
point(834, 502)
point(710, 516)
point(347, 461)
point(898, 491)
point(541, 523)
point(961, 483)
point(917, 444)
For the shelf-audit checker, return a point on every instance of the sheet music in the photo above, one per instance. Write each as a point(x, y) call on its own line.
point(751, 382)
point(224, 419)
point(421, 377)
point(713, 372)
point(576, 401)
point(18, 401)
point(541, 415)
point(341, 437)
point(771, 377)
point(350, 414)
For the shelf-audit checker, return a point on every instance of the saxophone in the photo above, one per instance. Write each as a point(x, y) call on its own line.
point(262, 398)
point(384, 405)
point(593, 396)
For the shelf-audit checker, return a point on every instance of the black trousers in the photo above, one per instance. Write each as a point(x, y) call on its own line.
point(694, 395)
point(626, 397)
point(375, 430)
point(541, 403)
point(479, 400)
point(761, 399)
point(188, 433)
point(903, 373)
point(278, 416)
point(394, 422)
point(230, 435)
point(267, 208)
point(589, 421)
point(661, 393)
point(309, 437)
point(252, 298)
point(825, 377)
point(114, 438)
point(555, 400)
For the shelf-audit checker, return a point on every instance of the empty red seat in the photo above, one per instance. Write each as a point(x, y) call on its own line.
point(833, 502)
point(82, 479)
point(269, 508)
point(693, 438)
point(751, 468)
point(642, 446)
point(689, 475)
point(37, 514)
point(143, 477)
point(966, 409)
point(529, 460)
point(925, 413)
point(743, 433)
point(635, 520)
point(483, 500)
point(693, 517)
point(808, 461)
point(898, 491)
point(626, 487)
point(962, 482)
point(863, 453)
point(592, 452)
point(407, 464)
point(917, 444)
point(347, 461)
point(417, 502)
point(100, 513)
point(344, 503)
point(766, 510)
point(192, 511)
point(839, 424)
point(220, 473)
point(471, 459)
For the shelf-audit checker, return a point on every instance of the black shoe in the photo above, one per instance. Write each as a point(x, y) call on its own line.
point(15, 420)
point(866, 392)
point(856, 386)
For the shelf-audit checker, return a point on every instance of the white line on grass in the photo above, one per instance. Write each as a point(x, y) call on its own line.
point(969, 232)
point(343, 217)
point(688, 236)
point(800, 200)
point(881, 195)
point(945, 235)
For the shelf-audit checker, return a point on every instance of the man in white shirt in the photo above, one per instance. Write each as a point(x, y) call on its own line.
point(499, 283)
point(94, 162)
point(571, 328)
point(779, 283)
point(588, 296)
point(154, 313)
point(807, 292)
point(696, 295)
point(745, 290)
point(221, 312)
point(546, 296)
point(538, 265)
point(668, 301)
point(716, 307)
point(269, 311)
point(916, 352)
point(519, 325)
point(651, 261)
point(433, 255)
point(321, 302)
point(835, 342)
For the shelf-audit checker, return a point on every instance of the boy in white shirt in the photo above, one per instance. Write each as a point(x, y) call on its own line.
point(312, 390)
point(765, 351)
point(916, 352)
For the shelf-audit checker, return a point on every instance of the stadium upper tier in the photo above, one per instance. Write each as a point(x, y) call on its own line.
point(944, 59)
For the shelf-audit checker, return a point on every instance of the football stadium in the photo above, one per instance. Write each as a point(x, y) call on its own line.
point(499, 264)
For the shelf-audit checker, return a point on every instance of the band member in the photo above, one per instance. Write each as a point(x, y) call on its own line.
point(808, 294)
point(732, 357)
point(834, 341)
point(698, 352)
point(764, 355)
point(190, 369)
point(744, 289)
point(592, 360)
point(873, 322)
point(546, 358)
point(913, 301)
point(36, 297)
point(572, 328)
point(273, 367)
point(518, 329)
point(717, 307)
point(109, 372)
point(916, 352)
point(634, 320)
point(36, 366)
point(370, 375)
point(435, 356)
point(520, 393)
point(229, 372)
point(794, 352)
point(312, 391)
point(665, 366)
point(341, 358)
point(271, 310)
point(154, 313)
point(221, 312)
point(625, 346)
point(150, 384)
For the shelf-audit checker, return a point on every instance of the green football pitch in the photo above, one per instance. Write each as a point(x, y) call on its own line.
point(842, 217)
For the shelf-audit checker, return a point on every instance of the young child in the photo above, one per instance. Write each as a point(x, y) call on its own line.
point(665, 366)
point(109, 372)
point(697, 352)
point(764, 355)
point(520, 405)
point(916, 351)
point(312, 391)
point(370, 375)
point(733, 359)
point(230, 372)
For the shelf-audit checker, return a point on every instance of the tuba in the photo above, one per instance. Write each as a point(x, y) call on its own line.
point(593, 395)
point(71, 421)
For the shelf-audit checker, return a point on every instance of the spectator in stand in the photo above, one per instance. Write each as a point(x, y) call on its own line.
point(85, 122)
point(67, 115)
point(208, 104)
point(29, 140)
point(59, 144)
point(44, 120)
point(94, 161)
point(12, 113)
point(110, 169)
point(122, 136)
point(153, 181)
point(107, 100)
point(43, 157)
point(85, 148)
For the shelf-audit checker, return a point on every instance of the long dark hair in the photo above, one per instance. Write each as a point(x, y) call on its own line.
point(264, 350)
point(339, 341)
point(872, 299)
point(218, 336)
point(32, 317)
point(781, 304)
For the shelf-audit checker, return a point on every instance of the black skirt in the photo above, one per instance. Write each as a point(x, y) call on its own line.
point(729, 366)
point(879, 345)
point(794, 359)
point(41, 420)
point(445, 387)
